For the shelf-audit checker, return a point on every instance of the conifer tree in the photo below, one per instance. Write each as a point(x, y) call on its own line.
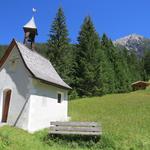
point(59, 49)
point(121, 74)
point(89, 70)
point(106, 45)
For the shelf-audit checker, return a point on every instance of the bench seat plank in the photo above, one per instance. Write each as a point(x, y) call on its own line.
point(76, 128)
point(82, 129)
point(75, 124)
point(75, 133)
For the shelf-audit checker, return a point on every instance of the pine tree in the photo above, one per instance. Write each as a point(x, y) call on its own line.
point(106, 45)
point(59, 49)
point(89, 58)
point(121, 74)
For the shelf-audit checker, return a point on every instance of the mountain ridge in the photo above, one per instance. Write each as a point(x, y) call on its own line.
point(134, 42)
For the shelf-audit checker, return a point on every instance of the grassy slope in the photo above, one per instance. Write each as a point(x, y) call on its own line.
point(125, 119)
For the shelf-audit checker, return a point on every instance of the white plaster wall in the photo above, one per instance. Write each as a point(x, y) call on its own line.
point(14, 76)
point(44, 107)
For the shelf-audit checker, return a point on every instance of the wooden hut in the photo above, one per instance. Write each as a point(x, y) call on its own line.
point(140, 85)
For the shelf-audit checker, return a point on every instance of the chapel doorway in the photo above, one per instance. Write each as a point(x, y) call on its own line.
point(6, 101)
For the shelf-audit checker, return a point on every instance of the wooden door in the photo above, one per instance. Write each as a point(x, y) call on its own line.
point(6, 102)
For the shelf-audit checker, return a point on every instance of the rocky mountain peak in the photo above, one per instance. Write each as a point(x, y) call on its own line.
point(130, 41)
point(134, 42)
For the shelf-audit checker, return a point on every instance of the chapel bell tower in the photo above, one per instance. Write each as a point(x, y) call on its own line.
point(30, 31)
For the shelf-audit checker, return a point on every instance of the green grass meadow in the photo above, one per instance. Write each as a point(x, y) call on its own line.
point(125, 120)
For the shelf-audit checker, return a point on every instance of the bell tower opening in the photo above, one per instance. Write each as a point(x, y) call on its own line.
point(30, 31)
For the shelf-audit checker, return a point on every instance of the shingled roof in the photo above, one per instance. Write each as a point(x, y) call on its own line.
point(38, 66)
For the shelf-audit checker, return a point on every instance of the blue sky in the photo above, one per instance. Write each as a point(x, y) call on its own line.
point(116, 18)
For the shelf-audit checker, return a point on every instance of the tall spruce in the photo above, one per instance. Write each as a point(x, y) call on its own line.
point(59, 49)
point(121, 73)
point(89, 70)
point(106, 45)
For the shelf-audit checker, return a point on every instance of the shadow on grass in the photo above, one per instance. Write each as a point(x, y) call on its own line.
point(78, 141)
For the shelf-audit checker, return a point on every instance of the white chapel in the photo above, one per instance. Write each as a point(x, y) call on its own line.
point(32, 94)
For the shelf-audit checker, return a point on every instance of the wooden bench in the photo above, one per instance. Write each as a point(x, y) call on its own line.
point(75, 128)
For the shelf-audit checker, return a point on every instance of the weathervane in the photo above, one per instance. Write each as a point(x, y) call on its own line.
point(34, 10)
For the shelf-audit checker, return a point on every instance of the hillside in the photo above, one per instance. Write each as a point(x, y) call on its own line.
point(124, 117)
point(125, 120)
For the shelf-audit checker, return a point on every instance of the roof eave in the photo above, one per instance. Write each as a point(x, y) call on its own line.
point(53, 84)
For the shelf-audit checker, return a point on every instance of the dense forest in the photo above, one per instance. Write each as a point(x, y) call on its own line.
point(93, 66)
